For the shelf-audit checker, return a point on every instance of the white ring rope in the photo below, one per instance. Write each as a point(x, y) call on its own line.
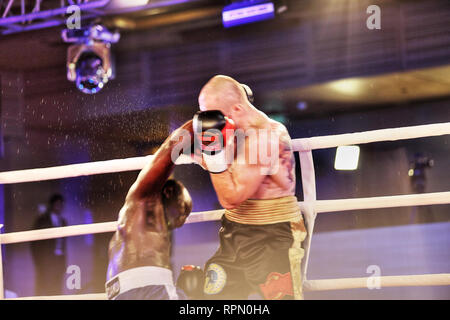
point(440, 279)
point(393, 134)
point(137, 163)
point(407, 200)
point(311, 206)
point(320, 205)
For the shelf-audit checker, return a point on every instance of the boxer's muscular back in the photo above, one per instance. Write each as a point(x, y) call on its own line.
point(141, 239)
point(281, 182)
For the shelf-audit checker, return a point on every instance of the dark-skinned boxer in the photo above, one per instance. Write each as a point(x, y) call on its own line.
point(262, 228)
point(139, 252)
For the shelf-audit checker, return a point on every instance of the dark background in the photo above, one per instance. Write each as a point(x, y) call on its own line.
point(396, 76)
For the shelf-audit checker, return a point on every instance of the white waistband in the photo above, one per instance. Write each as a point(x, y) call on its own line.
point(141, 277)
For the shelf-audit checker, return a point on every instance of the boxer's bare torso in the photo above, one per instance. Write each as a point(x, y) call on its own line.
point(282, 182)
point(247, 180)
point(143, 236)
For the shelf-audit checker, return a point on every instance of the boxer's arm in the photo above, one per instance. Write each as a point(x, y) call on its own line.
point(285, 176)
point(153, 176)
point(238, 184)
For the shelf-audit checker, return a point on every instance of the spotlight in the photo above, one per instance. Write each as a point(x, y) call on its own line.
point(89, 62)
point(346, 158)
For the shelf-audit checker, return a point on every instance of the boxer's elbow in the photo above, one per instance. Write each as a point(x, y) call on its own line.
point(132, 192)
point(231, 200)
point(228, 205)
point(232, 195)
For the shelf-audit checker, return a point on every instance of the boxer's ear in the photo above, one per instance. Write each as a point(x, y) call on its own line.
point(167, 192)
point(177, 203)
point(236, 108)
point(236, 111)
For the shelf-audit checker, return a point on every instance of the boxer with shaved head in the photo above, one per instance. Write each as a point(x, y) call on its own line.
point(262, 228)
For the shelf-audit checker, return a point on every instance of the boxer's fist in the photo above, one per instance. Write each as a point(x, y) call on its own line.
point(191, 281)
point(213, 131)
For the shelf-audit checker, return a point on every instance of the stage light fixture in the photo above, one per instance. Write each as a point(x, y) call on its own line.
point(248, 11)
point(89, 61)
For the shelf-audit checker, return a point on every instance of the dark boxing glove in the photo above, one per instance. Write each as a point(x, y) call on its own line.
point(213, 130)
point(191, 281)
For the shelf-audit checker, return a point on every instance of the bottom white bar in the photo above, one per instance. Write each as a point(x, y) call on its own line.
point(440, 279)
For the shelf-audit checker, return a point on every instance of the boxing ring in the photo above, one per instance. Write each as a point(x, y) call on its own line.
point(310, 206)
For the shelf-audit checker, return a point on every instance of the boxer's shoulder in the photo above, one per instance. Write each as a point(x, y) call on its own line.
point(281, 131)
point(277, 126)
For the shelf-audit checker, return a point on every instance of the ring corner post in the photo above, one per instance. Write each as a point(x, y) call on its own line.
point(309, 196)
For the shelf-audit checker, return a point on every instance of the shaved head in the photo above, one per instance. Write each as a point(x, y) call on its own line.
point(221, 93)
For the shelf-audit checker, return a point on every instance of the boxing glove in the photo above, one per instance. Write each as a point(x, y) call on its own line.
point(191, 281)
point(213, 131)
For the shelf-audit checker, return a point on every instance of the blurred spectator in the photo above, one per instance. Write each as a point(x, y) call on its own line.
point(49, 256)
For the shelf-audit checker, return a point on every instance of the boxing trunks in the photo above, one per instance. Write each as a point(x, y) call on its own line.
point(143, 283)
point(260, 252)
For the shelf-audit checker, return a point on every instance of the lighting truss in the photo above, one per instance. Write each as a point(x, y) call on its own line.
point(24, 15)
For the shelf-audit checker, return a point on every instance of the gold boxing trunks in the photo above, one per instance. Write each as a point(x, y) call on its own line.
point(260, 252)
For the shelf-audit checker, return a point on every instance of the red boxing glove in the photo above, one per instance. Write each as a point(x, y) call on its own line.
point(213, 130)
